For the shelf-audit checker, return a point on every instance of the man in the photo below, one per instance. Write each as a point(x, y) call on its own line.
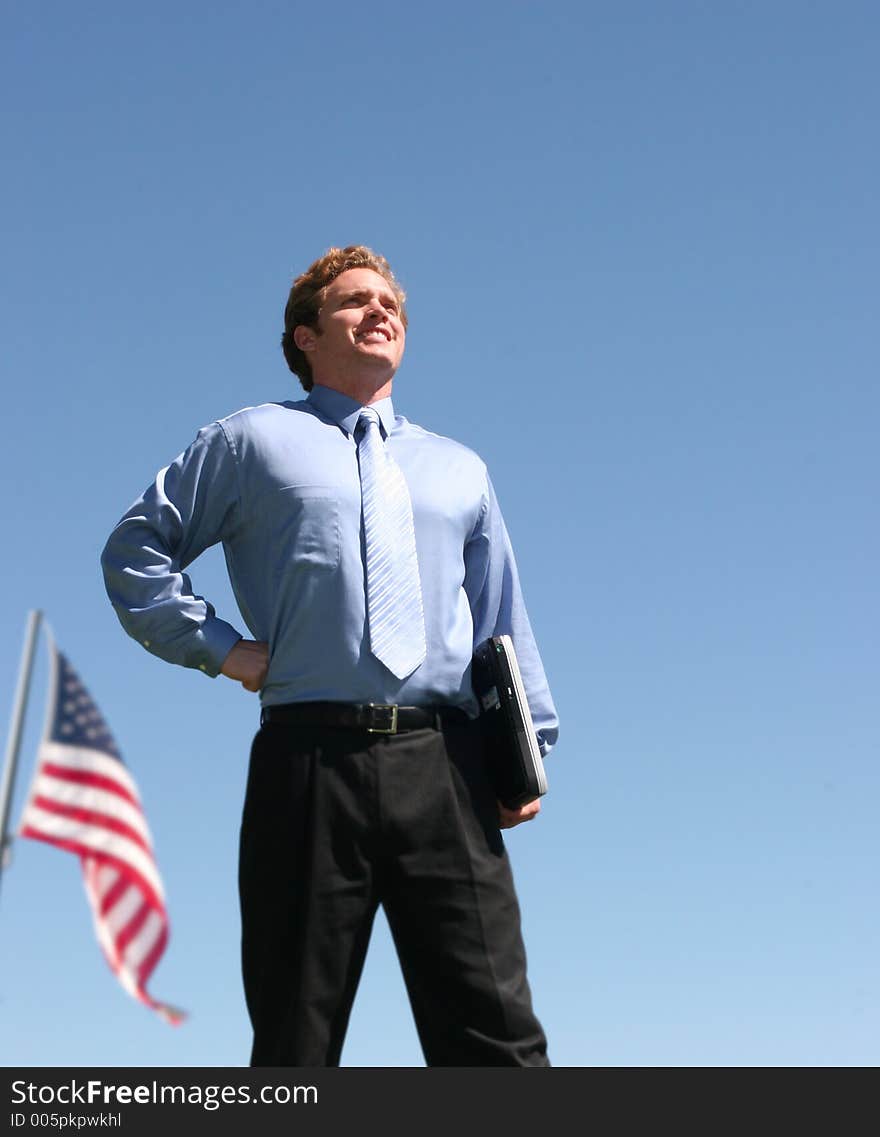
point(368, 558)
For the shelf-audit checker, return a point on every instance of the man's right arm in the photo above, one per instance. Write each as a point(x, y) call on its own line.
point(192, 504)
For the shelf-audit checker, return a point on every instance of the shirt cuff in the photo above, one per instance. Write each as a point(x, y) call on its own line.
point(215, 640)
point(547, 740)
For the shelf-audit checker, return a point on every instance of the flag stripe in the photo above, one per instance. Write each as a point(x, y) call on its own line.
point(85, 778)
point(105, 877)
point(107, 899)
point(119, 915)
point(93, 798)
point(91, 761)
point(138, 948)
point(132, 926)
point(90, 818)
point(102, 929)
point(155, 953)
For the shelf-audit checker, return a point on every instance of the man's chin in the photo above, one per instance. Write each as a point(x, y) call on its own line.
point(376, 347)
point(380, 355)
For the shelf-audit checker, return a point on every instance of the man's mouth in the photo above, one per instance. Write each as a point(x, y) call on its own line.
point(374, 335)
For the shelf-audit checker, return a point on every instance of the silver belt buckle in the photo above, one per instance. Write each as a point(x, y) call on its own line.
point(392, 710)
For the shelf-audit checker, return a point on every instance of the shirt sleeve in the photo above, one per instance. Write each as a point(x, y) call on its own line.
point(497, 607)
point(192, 504)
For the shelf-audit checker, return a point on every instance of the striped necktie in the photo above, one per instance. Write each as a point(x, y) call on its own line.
point(394, 594)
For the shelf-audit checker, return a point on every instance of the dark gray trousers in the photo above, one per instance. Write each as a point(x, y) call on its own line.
point(337, 822)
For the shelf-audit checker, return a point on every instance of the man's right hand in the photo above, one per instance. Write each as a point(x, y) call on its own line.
point(248, 662)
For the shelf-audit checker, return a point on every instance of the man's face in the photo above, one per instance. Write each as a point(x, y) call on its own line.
point(359, 328)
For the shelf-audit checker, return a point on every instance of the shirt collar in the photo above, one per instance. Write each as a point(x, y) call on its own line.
point(345, 411)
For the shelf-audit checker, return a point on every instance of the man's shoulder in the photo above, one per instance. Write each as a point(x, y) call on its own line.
point(265, 417)
point(444, 445)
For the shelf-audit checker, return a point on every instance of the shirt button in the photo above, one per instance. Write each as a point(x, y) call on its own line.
point(202, 667)
point(146, 643)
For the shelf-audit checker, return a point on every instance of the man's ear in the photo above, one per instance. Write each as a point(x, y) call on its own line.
point(304, 337)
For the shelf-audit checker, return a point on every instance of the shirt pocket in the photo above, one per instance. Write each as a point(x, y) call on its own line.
point(307, 533)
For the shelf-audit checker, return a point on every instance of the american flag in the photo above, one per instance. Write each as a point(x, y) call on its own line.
point(83, 799)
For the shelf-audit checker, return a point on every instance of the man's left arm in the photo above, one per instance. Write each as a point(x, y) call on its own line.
point(497, 607)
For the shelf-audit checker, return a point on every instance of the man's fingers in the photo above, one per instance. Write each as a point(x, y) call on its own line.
point(507, 818)
point(255, 682)
point(248, 662)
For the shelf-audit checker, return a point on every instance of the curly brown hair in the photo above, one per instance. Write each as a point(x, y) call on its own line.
point(307, 296)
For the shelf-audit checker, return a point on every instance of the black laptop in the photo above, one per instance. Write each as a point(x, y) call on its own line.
point(515, 762)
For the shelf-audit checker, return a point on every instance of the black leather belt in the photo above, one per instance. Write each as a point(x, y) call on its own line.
point(375, 718)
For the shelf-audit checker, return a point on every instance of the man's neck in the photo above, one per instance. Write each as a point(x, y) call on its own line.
point(364, 389)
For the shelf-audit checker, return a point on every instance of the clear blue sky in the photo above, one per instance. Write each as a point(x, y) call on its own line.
point(641, 243)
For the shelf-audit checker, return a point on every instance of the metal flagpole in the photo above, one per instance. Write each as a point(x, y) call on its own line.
point(16, 726)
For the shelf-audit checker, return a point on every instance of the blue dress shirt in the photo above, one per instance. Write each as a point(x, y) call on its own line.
point(278, 484)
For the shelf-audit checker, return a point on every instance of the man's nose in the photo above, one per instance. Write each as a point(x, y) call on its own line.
point(375, 307)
